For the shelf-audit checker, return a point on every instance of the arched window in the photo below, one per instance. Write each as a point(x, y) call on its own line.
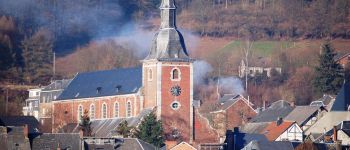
point(116, 109)
point(104, 111)
point(80, 112)
point(150, 75)
point(92, 111)
point(175, 74)
point(128, 109)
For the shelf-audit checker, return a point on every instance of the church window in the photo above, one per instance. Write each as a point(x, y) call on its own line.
point(175, 105)
point(150, 75)
point(175, 74)
point(92, 111)
point(116, 109)
point(80, 112)
point(128, 109)
point(104, 111)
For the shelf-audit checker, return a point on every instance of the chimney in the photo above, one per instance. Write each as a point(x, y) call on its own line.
point(279, 121)
point(335, 134)
point(25, 130)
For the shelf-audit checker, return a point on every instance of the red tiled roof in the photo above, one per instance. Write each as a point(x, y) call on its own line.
point(272, 131)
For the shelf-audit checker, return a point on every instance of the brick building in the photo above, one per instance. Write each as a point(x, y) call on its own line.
point(233, 111)
point(164, 83)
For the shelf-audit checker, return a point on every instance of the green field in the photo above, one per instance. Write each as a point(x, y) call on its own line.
point(259, 48)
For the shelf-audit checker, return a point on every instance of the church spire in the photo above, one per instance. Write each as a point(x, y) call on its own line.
point(168, 14)
point(168, 44)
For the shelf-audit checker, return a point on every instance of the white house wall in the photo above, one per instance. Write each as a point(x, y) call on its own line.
point(293, 133)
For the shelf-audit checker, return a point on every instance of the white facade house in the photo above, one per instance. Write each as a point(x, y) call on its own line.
point(293, 133)
point(31, 107)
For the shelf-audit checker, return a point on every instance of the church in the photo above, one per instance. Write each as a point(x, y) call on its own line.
point(163, 84)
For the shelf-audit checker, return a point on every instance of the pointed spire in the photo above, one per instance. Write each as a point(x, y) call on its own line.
point(168, 14)
point(168, 43)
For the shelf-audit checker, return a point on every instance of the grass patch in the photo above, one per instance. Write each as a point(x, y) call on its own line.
point(259, 48)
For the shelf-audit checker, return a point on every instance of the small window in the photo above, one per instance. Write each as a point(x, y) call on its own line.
point(92, 111)
point(80, 112)
point(128, 108)
point(116, 109)
point(104, 111)
point(150, 74)
point(175, 74)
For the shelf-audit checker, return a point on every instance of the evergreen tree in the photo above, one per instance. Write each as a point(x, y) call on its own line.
point(329, 74)
point(37, 56)
point(124, 129)
point(85, 124)
point(150, 130)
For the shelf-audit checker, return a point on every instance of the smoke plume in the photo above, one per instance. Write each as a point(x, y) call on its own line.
point(227, 85)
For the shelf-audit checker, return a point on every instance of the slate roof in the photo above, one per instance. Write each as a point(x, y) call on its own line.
point(33, 124)
point(228, 100)
point(103, 83)
point(342, 101)
point(117, 143)
point(278, 109)
point(228, 97)
point(273, 131)
point(328, 121)
point(57, 85)
point(252, 127)
point(243, 139)
point(53, 141)
point(106, 127)
point(263, 145)
point(302, 114)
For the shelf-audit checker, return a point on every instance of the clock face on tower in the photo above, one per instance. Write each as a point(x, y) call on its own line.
point(175, 90)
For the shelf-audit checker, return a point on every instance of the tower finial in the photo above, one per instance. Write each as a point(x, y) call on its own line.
point(168, 14)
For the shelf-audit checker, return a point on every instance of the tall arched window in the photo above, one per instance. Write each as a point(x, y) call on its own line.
point(175, 74)
point(150, 75)
point(116, 109)
point(80, 112)
point(104, 111)
point(128, 109)
point(92, 111)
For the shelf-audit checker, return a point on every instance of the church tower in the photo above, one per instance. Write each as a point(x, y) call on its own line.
point(168, 77)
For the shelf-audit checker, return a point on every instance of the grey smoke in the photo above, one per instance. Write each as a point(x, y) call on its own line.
point(201, 69)
point(230, 85)
point(227, 85)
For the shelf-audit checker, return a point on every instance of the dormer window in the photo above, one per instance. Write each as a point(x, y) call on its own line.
point(117, 88)
point(98, 90)
point(175, 74)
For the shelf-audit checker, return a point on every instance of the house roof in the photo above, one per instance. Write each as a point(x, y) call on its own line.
point(107, 127)
point(243, 139)
point(301, 114)
point(53, 141)
point(273, 131)
point(278, 109)
point(252, 127)
point(33, 124)
point(183, 146)
point(328, 121)
point(228, 100)
point(228, 97)
point(57, 85)
point(103, 83)
point(266, 145)
point(342, 101)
